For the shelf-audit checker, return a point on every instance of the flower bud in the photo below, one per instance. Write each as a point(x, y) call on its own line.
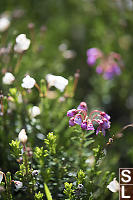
point(72, 113)
point(114, 186)
point(4, 23)
point(31, 25)
point(22, 136)
point(71, 122)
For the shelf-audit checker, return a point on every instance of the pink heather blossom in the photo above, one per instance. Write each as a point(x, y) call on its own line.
point(109, 65)
point(97, 121)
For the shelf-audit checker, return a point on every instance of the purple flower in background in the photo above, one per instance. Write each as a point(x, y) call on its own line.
point(99, 69)
point(116, 69)
point(109, 65)
point(78, 119)
point(72, 113)
point(111, 71)
point(71, 122)
point(92, 55)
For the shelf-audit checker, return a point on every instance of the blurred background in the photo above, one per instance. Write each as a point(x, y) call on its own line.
point(63, 31)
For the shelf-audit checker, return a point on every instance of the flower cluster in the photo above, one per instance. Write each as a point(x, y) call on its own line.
point(109, 66)
point(96, 121)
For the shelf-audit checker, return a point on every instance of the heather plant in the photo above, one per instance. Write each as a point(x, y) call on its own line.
point(60, 120)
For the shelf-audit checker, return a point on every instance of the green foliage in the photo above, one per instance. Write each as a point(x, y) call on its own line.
point(38, 196)
point(15, 148)
point(63, 154)
point(68, 191)
point(51, 143)
point(80, 177)
point(8, 186)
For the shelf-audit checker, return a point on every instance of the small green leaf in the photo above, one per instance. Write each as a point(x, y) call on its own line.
point(89, 133)
point(48, 194)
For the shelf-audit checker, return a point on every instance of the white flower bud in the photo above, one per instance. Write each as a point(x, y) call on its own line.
point(1, 176)
point(22, 136)
point(114, 186)
point(4, 23)
point(28, 82)
point(22, 43)
point(8, 78)
point(18, 184)
point(34, 111)
point(57, 81)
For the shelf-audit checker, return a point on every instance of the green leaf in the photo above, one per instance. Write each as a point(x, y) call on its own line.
point(48, 194)
point(87, 143)
point(88, 134)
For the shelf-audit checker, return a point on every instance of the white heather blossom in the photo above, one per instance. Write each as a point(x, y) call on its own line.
point(22, 136)
point(18, 184)
point(114, 186)
point(68, 54)
point(1, 176)
point(4, 23)
point(28, 82)
point(8, 78)
point(57, 81)
point(34, 111)
point(22, 43)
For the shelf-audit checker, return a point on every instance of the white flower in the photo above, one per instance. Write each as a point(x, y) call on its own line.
point(4, 23)
point(63, 47)
point(34, 111)
point(18, 184)
point(68, 54)
point(22, 43)
point(114, 186)
point(8, 78)
point(1, 176)
point(28, 82)
point(57, 81)
point(22, 136)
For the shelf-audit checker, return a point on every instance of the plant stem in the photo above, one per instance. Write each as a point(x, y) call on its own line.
point(18, 63)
